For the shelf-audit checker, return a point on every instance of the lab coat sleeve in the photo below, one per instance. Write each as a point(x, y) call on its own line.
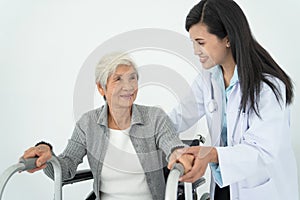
point(261, 141)
point(190, 108)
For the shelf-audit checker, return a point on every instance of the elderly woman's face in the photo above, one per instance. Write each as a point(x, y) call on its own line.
point(121, 88)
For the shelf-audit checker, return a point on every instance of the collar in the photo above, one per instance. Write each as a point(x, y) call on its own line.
point(234, 78)
point(136, 118)
point(217, 74)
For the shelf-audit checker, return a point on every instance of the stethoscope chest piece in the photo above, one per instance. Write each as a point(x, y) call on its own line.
point(212, 106)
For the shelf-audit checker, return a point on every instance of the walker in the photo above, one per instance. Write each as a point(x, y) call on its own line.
point(174, 189)
point(27, 164)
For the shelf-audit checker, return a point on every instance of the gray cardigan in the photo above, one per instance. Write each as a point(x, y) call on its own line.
point(151, 131)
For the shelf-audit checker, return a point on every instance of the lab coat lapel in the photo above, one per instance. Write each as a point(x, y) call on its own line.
point(217, 115)
point(236, 120)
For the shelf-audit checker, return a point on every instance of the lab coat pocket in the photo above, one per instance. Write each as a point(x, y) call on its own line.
point(264, 191)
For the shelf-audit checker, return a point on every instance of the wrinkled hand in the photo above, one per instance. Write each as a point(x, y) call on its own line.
point(186, 160)
point(202, 156)
point(43, 153)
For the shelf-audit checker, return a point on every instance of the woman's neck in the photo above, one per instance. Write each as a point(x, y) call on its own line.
point(227, 75)
point(228, 69)
point(119, 119)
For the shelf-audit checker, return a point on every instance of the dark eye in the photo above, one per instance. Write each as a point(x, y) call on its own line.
point(133, 77)
point(117, 78)
point(200, 43)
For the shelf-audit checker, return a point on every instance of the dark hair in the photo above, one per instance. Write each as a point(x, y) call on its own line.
point(225, 18)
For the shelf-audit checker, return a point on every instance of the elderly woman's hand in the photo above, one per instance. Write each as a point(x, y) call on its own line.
point(203, 155)
point(186, 160)
point(43, 152)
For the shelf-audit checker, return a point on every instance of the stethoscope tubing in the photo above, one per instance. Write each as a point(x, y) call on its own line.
point(212, 106)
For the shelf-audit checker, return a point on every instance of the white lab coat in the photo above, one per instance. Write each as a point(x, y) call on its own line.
point(258, 162)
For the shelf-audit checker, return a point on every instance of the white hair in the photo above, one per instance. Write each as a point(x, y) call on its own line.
point(108, 65)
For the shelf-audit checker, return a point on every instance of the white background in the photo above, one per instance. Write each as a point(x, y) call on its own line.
point(43, 45)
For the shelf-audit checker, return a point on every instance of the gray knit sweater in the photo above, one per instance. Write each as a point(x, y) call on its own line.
point(151, 131)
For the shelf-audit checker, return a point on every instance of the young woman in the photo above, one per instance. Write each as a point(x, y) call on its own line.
point(245, 96)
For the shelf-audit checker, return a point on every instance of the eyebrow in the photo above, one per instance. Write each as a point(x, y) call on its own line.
point(197, 39)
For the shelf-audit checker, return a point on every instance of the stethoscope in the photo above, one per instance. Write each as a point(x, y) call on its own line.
point(212, 105)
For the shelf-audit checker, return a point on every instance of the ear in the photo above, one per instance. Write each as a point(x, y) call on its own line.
point(227, 42)
point(100, 89)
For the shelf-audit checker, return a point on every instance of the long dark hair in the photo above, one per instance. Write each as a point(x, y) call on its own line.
point(225, 18)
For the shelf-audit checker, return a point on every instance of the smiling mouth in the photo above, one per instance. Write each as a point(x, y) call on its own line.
point(126, 96)
point(203, 59)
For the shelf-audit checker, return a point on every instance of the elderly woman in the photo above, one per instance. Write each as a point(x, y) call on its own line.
point(122, 140)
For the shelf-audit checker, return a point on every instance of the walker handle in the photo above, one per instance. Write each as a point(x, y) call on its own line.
point(172, 182)
point(29, 163)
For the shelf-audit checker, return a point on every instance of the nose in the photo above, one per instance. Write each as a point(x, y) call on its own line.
point(197, 52)
point(197, 48)
point(128, 86)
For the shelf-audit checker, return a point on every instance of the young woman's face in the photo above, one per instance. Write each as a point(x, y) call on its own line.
point(210, 49)
point(121, 88)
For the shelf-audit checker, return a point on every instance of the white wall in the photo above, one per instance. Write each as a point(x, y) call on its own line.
point(44, 44)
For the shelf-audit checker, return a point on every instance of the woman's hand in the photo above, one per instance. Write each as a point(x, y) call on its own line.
point(186, 160)
point(43, 152)
point(203, 155)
